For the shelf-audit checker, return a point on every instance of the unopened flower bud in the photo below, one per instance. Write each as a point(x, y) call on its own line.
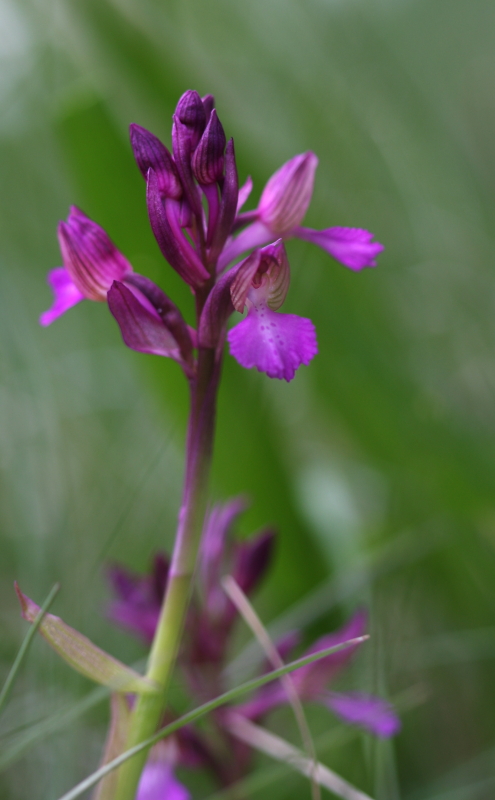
point(150, 152)
point(191, 112)
point(207, 161)
point(209, 103)
point(287, 194)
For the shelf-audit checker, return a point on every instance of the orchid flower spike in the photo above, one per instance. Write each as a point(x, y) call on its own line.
point(281, 209)
point(273, 343)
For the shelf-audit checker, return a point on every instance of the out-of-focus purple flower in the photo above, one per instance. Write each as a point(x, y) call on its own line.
point(158, 782)
point(310, 682)
point(273, 343)
point(138, 597)
point(283, 204)
point(365, 710)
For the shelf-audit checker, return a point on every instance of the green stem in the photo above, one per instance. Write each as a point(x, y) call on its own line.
point(148, 710)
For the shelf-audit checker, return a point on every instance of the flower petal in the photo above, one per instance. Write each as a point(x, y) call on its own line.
point(158, 782)
point(141, 330)
point(353, 247)
point(66, 295)
point(89, 255)
point(286, 196)
point(366, 710)
point(244, 192)
point(311, 680)
point(272, 342)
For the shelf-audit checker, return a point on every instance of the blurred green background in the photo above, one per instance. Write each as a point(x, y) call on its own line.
point(377, 463)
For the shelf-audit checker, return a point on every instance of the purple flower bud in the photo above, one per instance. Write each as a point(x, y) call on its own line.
point(252, 559)
point(190, 112)
point(164, 220)
point(90, 257)
point(207, 161)
point(209, 104)
point(150, 152)
point(286, 196)
point(228, 203)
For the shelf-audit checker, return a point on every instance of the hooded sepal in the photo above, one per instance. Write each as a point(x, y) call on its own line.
point(286, 196)
point(89, 255)
point(150, 152)
point(84, 656)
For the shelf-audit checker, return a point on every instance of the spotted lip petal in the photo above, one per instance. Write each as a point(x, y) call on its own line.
point(353, 247)
point(66, 295)
point(272, 342)
point(89, 255)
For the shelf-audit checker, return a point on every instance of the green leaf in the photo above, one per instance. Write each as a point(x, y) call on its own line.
point(84, 656)
point(7, 687)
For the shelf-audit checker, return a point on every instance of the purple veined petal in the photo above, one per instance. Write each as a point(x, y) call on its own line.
point(66, 295)
point(274, 343)
point(141, 329)
point(138, 600)
point(286, 196)
point(353, 247)
point(244, 192)
point(365, 710)
point(158, 782)
point(89, 255)
point(255, 235)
